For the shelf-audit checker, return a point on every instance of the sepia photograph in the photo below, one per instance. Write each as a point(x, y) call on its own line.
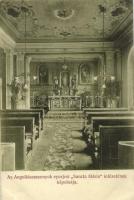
point(66, 85)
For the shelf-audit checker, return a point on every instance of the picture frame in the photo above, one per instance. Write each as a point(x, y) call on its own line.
point(87, 70)
point(43, 75)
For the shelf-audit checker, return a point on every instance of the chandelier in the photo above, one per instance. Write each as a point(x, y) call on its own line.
point(103, 78)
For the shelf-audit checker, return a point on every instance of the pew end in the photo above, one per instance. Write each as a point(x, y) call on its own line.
point(7, 151)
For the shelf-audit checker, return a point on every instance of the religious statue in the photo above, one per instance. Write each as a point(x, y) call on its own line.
point(73, 82)
point(73, 88)
point(56, 86)
point(56, 83)
point(16, 88)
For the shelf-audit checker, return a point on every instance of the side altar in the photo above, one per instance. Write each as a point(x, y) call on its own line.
point(64, 102)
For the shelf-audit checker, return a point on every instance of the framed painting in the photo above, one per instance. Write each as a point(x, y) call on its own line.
point(87, 71)
point(43, 75)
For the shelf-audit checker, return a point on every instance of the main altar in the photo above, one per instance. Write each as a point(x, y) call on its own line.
point(73, 87)
point(64, 102)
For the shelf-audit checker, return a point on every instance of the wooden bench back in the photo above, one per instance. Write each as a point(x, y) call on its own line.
point(16, 134)
point(97, 121)
point(109, 138)
point(45, 108)
point(103, 109)
point(28, 122)
point(108, 114)
point(7, 156)
point(36, 115)
point(41, 111)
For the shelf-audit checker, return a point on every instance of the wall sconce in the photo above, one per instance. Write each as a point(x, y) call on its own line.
point(95, 78)
point(25, 87)
point(34, 78)
point(112, 78)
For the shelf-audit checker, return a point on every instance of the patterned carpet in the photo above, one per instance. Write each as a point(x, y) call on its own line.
point(60, 148)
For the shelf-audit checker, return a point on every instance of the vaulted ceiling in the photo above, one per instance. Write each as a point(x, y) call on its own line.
point(62, 20)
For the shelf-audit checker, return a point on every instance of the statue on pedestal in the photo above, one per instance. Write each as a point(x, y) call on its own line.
point(16, 88)
point(56, 86)
point(73, 86)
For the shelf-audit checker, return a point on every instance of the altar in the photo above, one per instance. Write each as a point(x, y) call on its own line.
point(64, 102)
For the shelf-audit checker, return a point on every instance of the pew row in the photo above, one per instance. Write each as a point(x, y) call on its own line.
point(41, 111)
point(16, 134)
point(126, 154)
point(104, 109)
point(7, 156)
point(112, 118)
point(92, 135)
point(28, 123)
point(89, 115)
point(109, 137)
point(35, 115)
point(45, 108)
point(119, 120)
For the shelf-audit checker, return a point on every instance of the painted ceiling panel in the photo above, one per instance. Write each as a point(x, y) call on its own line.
point(60, 19)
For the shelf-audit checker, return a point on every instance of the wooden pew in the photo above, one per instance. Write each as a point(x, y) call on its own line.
point(45, 108)
point(105, 121)
point(16, 134)
point(103, 118)
point(89, 115)
point(28, 122)
point(126, 154)
point(104, 109)
point(18, 114)
point(108, 145)
point(119, 120)
point(41, 111)
point(7, 156)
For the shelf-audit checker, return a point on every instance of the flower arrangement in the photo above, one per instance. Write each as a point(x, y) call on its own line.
point(112, 89)
point(108, 89)
point(17, 89)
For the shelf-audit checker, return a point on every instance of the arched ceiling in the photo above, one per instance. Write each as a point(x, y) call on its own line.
point(65, 19)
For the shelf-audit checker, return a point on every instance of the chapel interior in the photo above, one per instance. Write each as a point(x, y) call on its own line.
point(66, 85)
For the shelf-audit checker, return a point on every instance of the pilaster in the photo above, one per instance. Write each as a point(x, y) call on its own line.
point(110, 62)
point(9, 75)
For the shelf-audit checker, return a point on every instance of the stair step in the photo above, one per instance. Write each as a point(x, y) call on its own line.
point(65, 114)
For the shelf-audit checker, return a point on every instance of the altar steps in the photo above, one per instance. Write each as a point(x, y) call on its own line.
point(65, 115)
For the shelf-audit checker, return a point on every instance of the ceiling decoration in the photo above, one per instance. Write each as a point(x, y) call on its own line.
point(61, 19)
point(64, 13)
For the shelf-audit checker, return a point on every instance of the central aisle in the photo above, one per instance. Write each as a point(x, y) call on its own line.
point(60, 147)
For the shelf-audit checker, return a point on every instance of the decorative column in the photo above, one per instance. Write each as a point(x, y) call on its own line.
point(110, 62)
point(9, 76)
point(20, 72)
point(119, 73)
point(118, 65)
point(111, 98)
point(130, 76)
point(27, 81)
point(2, 96)
point(20, 66)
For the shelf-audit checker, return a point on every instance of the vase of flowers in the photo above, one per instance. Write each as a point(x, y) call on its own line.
point(112, 93)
